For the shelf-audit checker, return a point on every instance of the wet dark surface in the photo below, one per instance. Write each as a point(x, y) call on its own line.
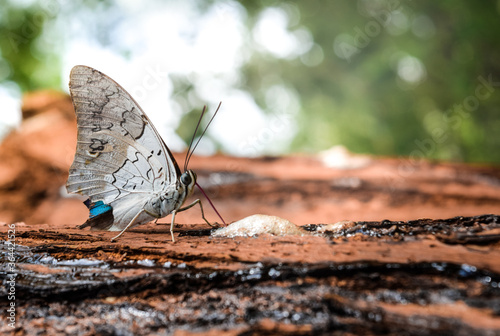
point(457, 230)
point(123, 290)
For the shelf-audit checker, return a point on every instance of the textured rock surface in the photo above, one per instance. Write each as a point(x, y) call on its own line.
point(381, 271)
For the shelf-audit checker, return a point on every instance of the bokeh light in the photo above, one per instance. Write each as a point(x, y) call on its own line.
point(362, 74)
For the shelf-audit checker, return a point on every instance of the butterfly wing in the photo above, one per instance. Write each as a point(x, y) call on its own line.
point(121, 160)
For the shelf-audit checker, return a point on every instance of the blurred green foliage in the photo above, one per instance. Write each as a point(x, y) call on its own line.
point(387, 77)
point(362, 103)
point(25, 59)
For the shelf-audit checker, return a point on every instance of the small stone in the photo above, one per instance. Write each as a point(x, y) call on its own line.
point(259, 224)
point(337, 227)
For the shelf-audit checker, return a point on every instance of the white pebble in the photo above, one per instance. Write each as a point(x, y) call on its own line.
point(259, 224)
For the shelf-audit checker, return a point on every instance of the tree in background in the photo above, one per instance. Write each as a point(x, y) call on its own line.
point(419, 79)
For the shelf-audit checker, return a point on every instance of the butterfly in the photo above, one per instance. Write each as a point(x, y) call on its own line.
point(121, 162)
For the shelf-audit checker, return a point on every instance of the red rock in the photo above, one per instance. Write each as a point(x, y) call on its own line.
point(364, 275)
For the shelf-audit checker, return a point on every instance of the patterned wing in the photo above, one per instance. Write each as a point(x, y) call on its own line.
point(120, 158)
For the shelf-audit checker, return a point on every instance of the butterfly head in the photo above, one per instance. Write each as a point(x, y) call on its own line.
point(188, 179)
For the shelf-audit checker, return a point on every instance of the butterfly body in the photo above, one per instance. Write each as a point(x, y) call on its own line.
point(121, 163)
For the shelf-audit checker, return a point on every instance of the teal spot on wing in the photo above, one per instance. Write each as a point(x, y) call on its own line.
point(97, 208)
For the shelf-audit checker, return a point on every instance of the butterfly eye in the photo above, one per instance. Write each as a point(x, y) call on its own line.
point(186, 178)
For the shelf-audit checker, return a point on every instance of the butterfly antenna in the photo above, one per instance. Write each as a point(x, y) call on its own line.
point(188, 156)
point(192, 139)
point(209, 201)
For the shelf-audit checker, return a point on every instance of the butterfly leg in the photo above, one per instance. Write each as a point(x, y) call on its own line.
point(172, 225)
point(129, 225)
point(201, 208)
point(184, 209)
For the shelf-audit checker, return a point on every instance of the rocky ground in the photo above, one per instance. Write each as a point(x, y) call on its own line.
point(382, 269)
